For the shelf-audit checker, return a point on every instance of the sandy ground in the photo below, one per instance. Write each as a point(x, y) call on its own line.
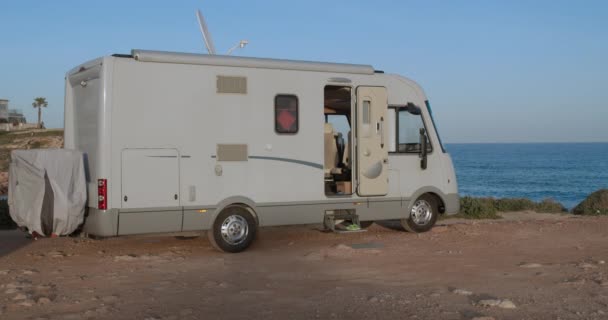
point(527, 266)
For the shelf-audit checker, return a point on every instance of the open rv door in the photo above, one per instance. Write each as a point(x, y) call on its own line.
point(372, 151)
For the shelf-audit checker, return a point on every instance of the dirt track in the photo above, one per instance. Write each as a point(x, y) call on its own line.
point(553, 268)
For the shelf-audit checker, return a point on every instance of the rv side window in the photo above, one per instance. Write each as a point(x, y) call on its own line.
point(409, 123)
point(286, 114)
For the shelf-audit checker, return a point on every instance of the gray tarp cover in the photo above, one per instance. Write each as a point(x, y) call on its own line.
point(47, 190)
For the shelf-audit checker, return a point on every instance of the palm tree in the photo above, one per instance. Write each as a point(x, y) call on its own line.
point(40, 102)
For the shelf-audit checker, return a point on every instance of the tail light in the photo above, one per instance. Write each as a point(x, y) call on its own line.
point(102, 194)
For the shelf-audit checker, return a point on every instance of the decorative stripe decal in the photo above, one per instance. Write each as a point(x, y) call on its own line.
point(296, 161)
point(302, 162)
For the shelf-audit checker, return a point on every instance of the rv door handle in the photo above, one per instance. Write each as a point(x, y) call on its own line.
point(381, 125)
point(175, 196)
point(125, 198)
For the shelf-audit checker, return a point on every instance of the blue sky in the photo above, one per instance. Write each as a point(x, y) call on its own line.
point(495, 71)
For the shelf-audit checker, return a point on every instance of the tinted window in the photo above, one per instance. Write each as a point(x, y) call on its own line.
point(286, 114)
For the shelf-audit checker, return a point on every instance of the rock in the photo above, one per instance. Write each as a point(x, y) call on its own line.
point(129, 257)
point(601, 262)
point(372, 299)
point(585, 265)
point(43, 300)
point(56, 254)
point(462, 292)
point(4, 272)
point(574, 281)
point(20, 296)
point(11, 291)
point(342, 246)
point(483, 318)
point(29, 272)
point(313, 256)
point(504, 304)
point(507, 304)
point(488, 302)
point(530, 265)
point(26, 303)
point(223, 285)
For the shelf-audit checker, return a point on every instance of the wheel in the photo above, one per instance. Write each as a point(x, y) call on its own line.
point(423, 215)
point(233, 230)
point(365, 224)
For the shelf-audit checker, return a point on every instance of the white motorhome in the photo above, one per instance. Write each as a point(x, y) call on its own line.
point(185, 142)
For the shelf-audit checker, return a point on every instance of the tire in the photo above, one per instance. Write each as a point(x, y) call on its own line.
point(423, 214)
point(234, 229)
point(365, 224)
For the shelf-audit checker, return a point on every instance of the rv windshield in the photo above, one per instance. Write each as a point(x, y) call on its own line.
point(428, 106)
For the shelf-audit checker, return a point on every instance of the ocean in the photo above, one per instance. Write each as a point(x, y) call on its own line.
point(566, 172)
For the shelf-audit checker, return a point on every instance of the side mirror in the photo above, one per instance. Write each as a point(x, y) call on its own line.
point(423, 152)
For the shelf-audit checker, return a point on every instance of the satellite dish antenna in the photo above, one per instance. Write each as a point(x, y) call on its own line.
point(205, 32)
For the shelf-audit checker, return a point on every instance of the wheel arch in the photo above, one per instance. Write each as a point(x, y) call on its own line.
point(432, 191)
point(240, 201)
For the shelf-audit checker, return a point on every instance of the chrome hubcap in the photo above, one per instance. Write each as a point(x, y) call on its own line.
point(421, 213)
point(235, 229)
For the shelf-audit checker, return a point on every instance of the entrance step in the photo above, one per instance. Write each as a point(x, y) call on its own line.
point(342, 221)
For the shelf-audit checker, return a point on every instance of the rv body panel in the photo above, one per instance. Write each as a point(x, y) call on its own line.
point(87, 119)
point(149, 178)
point(179, 110)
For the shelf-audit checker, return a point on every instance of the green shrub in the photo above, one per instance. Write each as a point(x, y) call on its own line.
point(595, 204)
point(550, 206)
point(5, 219)
point(514, 204)
point(488, 208)
point(478, 208)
